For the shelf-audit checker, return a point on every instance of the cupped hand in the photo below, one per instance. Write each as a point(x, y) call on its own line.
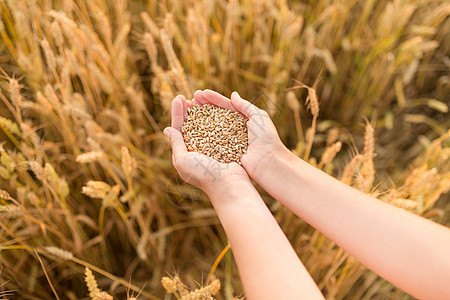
point(264, 142)
point(195, 168)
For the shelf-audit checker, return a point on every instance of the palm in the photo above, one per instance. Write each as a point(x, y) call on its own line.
point(195, 168)
point(262, 135)
point(198, 169)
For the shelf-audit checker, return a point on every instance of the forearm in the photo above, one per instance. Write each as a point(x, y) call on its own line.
point(409, 251)
point(268, 266)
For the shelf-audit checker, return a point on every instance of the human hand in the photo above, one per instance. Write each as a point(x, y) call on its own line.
point(197, 169)
point(264, 143)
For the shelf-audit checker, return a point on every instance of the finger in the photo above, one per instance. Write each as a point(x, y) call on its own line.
point(217, 99)
point(176, 139)
point(243, 106)
point(177, 113)
point(199, 97)
point(195, 102)
point(184, 101)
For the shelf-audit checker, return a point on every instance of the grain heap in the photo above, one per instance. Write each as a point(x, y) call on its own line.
point(216, 132)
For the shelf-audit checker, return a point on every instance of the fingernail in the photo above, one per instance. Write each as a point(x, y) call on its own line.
point(167, 132)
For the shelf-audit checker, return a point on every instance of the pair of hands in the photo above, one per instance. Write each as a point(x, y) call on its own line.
point(205, 172)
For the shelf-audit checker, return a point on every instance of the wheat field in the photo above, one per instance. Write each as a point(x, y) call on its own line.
point(91, 206)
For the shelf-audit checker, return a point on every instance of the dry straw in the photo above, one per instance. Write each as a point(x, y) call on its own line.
point(118, 66)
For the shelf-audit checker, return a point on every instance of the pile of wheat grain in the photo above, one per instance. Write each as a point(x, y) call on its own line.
point(216, 132)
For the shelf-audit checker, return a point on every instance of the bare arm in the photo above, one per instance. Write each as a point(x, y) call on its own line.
point(267, 263)
point(268, 266)
point(411, 252)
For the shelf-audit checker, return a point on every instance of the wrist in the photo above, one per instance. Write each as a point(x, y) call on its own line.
point(225, 184)
point(272, 162)
point(233, 191)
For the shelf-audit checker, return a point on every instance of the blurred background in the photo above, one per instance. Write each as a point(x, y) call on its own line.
point(86, 179)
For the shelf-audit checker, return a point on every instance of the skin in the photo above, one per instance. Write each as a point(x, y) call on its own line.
point(268, 266)
point(409, 251)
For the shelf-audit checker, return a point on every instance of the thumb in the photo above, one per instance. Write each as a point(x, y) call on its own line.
point(176, 139)
point(243, 106)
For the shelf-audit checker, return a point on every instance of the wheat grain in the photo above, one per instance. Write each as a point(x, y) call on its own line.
point(4, 195)
point(96, 189)
point(102, 21)
point(101, 78)
point(57, 34)
point(169, 25)
point(76, 112)
point(366, 176)
point(58, 252)
point(330, 153)
point(88, 157)
point(213, 288)
point(351, 168)
point(181, 288)
point(7, 161)
point(9, 125)
point(37, 170)
point(51, 95)
point(292, 101)
point(49, 55)
point(150, 47)
point(216, 132)
point(369, 142)
point(197, 295)
point(127, 165)
point(25, 63)
point(169, 285)
point(247, 45)
point(14, 89)
point(91, 283)
point(405, 203)
point(204, 293)
point(75, 36)
point(4, 173)
point(151, 26)
point(11, 210)
point(29, 132)
point(140, 247)
point(50, 174)
point(172, 58)
point(332, 136)
point(102, 296)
